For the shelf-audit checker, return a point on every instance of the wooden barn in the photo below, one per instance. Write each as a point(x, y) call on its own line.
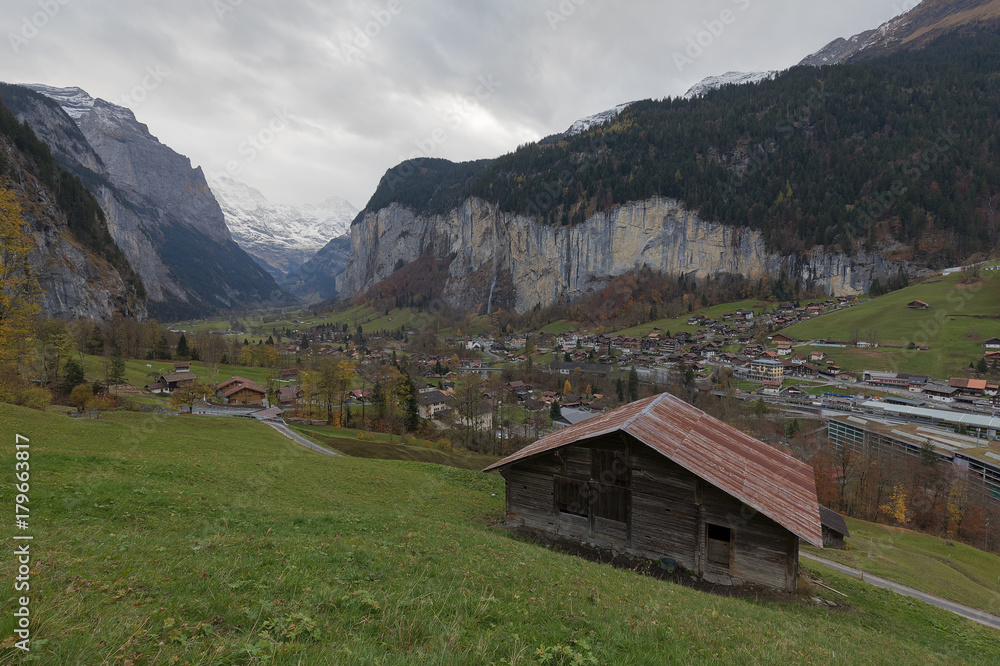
point(834, 528)
point(662, 480)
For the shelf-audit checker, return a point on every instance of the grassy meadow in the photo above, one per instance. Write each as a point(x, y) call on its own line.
point(948, 569)
point(173, 540)
point(960, 318)
point(362, 315)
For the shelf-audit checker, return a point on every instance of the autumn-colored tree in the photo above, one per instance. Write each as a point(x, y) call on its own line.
point(80, 396)
point(895, 509)
point(19, 290)
point(567, 389)
point(188, 394)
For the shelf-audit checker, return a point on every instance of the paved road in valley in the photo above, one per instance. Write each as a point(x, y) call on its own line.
point(970, 613)
point(298, 439)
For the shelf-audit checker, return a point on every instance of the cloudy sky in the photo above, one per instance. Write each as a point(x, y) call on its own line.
point(306, 99)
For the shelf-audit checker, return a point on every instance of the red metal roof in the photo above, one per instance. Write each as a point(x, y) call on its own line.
point(762, 477)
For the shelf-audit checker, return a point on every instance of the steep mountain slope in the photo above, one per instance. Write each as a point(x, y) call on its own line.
point(318, 278)
point(159, 209)
point(811, 174)
point(912, 30)
point(281, 237)
point(729, 78)
point(81, 272)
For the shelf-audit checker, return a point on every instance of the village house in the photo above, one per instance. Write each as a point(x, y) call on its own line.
point(288, 396)
point(992, 343)
point(170, 383)
point(431, 404)
point(662, 480)
point(241, 391)
point(917, 305)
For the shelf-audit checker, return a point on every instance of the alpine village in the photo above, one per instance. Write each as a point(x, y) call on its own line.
point(711, 378)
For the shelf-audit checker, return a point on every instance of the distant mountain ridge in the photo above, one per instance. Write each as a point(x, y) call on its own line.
point(911, 30)
point(159, 209)
point(281, 237)
point(729, 78)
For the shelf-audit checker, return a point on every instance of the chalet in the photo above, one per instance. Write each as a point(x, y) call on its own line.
point(241, 391)
point(289, 395)
point(834, 528)
point(170, 383)
point(182, 366)
point(662, 480)
point(289, 374)
point(917, 305)
point(992, 343)
point(772, 387)
point(780, 339)
point(431, 404)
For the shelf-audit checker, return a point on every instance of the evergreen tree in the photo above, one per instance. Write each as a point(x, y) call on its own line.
point(116, 369)
point(411, 418)
point(620, 390)
point(633, 385)
point(182, 347)
point(555, 411)
point(72, 375)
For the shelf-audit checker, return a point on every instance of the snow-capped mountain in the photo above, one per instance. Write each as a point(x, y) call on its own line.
point(76, 102)
point(281, 237)
point(584, 124)
point(729, 78)
point(922, 23)
point(837, 51)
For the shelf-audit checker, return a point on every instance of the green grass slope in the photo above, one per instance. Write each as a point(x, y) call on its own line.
point(165, 540)
point(961, 317)
point(951, 570)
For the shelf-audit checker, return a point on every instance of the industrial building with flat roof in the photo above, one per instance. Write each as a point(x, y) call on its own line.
point(975, 457)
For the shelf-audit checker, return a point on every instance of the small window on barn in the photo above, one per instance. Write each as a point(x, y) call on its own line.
point(571, 496)
point(720, 543)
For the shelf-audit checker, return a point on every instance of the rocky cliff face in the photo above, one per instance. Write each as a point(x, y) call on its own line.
point(513, 261)
point(159, 209)
point(75, 282)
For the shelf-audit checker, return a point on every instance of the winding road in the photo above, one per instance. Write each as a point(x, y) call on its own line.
point(976, 615)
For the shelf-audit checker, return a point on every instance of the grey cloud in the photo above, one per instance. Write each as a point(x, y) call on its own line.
point(356, 116)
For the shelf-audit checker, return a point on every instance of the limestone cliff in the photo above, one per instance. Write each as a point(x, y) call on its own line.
point(513, 261)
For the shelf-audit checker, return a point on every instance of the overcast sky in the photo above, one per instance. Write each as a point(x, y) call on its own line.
point(306, 99)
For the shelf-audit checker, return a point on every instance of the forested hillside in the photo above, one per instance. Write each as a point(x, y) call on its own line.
point(899, 149)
